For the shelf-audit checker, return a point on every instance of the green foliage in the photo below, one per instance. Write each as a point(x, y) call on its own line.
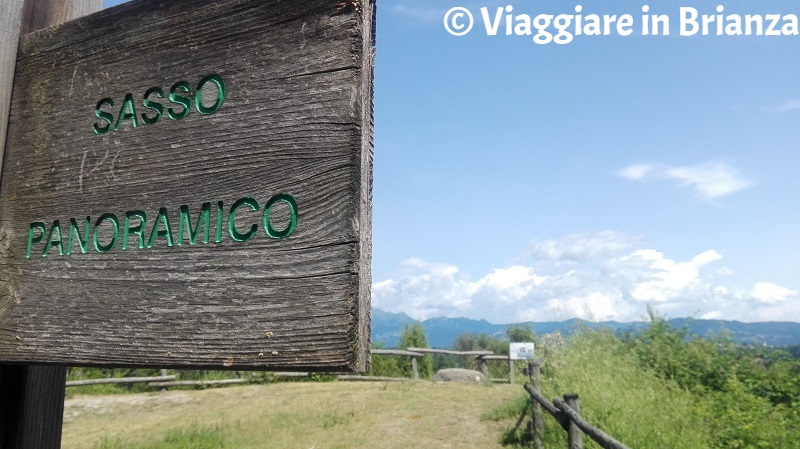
point(192, 438)
point(413, 336)
point(663, 387)
point(384, 365)
point(793, 350)
point(482, 342)
point(631, 404)
point(751, 394)
point(703, 365)
point(740, 419)
point(518, 333)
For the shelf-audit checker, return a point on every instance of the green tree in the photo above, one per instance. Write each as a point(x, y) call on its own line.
point(384, 365)
point(483, 342)
point(413, 336)
point(518, 333)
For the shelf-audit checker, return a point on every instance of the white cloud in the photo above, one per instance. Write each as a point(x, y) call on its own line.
point(615, 279)
point(708, 180)
point(711, 180)
point(637, 172)
point(770, 293)
point(790, 105)
point(582, 246)
point(668, 278)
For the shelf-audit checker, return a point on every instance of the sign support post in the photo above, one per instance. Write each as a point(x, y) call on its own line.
point(31, 397)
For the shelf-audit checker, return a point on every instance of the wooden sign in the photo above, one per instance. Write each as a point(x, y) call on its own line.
point(188, 184)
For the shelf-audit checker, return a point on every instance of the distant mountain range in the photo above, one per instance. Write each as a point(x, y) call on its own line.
point(442, 332)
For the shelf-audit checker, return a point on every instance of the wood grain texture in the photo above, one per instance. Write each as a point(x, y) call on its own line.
point(40, 14)
point(10, 20)
point(31, 397)
point(297, 119)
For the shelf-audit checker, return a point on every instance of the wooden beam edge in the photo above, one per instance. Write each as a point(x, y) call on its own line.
point(362, 363)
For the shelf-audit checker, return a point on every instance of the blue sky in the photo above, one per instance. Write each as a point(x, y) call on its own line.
point(517, 181)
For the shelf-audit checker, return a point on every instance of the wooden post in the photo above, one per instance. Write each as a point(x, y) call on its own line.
point(163, 373)
point(485, 370)
point(31, 397)
point(414, 369)
point(574, 433)
point(511, 374)
point(537, 422)
point(32, 407)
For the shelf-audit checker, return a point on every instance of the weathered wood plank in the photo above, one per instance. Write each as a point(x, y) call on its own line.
point(197, 383)
point(345, 377)
point(39, 14)
point(450, 352)
point(10, 21)
point(537, 420)
point(399, 352)
point(574, 434)
point(499, 357)
point(31, 397)
point(118, 380)
point(296, 119)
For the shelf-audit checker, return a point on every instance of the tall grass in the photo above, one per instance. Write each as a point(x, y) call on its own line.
point(629, 403)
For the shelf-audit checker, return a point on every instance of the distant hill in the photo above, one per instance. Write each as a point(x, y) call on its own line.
point(442, 332)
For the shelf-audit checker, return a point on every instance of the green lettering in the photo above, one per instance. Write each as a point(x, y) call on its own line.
point(153, 105)
point(82, 242)
point(127, 112)
point(184, 218)
point(137, 230)
point(166, 232)
point(37, 239)
point(103, 116)
point(218, 236)
point(198, 100)
point(55, 230)
point(280, 198)
point(186, 102)
point(235, 235)
point(96, 235)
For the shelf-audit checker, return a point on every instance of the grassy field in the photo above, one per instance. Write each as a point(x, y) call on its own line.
point(292, 415)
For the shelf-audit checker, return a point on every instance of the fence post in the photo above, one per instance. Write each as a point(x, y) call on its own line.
point(31, 397)
point(414, 368)
point(511, 374)
point(575, 434)
point(485, 370)
point(537, 421)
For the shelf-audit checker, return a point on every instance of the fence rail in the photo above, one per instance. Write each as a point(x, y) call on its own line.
point(165, 381)
point(567, 413)
point(119, 380)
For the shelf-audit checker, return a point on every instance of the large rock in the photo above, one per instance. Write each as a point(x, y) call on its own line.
point(460, 375)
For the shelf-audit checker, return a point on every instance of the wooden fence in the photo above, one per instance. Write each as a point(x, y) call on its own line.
point(483, 358)
point(166, 381)
point(567, 413)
